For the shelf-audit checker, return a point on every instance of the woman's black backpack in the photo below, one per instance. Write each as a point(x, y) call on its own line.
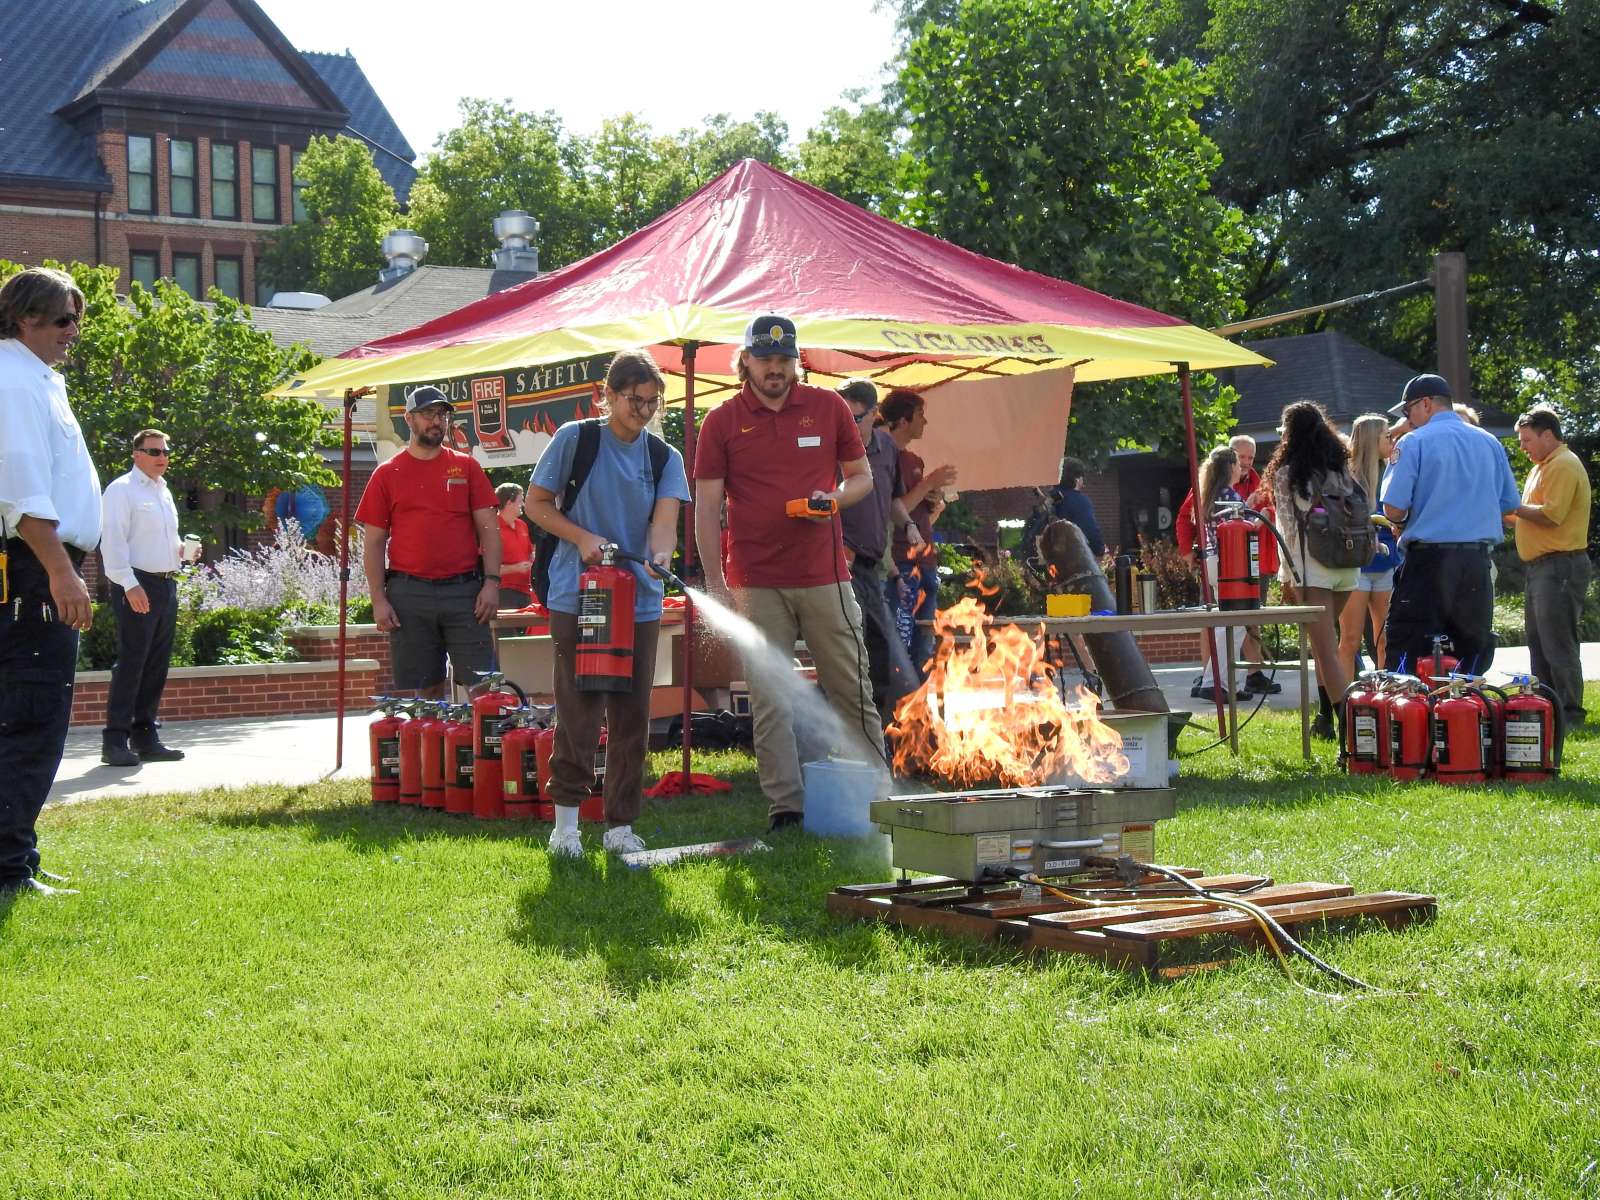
point(583, 457)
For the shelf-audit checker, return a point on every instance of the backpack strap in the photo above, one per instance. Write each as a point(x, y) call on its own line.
point(583, 457)
point(659, 452)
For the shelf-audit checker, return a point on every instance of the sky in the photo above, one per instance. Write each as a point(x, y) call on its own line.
point(672, 64)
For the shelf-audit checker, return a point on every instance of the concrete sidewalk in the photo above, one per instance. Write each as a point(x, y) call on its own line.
point(300, 750)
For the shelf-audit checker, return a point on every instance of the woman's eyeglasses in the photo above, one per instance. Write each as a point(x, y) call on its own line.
point(641, 404)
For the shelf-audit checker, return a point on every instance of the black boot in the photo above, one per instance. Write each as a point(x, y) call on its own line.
point(114, 751)
point(147, 745)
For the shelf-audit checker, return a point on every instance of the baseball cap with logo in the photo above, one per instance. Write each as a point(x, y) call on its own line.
point(771, 335)
point(425, 396)
point(1418, 388)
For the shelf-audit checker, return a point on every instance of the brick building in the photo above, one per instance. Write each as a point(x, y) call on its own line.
point(161, 137)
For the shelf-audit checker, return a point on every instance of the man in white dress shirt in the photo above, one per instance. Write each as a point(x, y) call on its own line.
point(50, 518)
point(140, 551)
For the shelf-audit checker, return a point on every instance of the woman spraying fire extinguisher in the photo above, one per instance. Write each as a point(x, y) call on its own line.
point(619, 486)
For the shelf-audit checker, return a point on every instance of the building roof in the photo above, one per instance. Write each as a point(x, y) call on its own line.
point(1345, 377)
point(384, 308)
point(58, 57)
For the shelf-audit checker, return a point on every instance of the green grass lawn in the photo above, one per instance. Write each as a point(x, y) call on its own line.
point(287, 993)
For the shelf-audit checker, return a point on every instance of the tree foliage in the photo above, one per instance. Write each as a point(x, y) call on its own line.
point(203, 374)
point(855, 153)
point(337, 249)
point(1043, 133)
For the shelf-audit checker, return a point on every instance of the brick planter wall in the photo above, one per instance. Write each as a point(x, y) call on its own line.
point(320, 642)
point(1169, 649)
point(257, 690)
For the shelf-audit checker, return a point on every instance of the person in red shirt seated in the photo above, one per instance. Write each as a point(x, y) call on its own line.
point(431, 552)
point(516, 549)
point(777, 441)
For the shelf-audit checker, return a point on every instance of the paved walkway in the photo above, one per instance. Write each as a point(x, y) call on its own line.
point(297, 750)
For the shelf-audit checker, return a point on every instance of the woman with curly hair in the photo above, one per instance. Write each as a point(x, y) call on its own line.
point(1308, 454)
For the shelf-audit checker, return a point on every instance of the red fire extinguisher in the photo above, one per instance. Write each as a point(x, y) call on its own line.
point(543, 747)
point(489, 712)
point(1529, 738)
point(1410, 718)
point(1435, 669)
point(432, 724)
point(1494, 730)
point(594, 808)
point(604, 661)
point(1365, 745)
point(383, 737)
point(519, 763)
point(458, 762)
point(1238, 563)
point(1461, 730)
point(411, 759)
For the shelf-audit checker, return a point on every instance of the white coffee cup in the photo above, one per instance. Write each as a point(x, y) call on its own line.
point(191, 551)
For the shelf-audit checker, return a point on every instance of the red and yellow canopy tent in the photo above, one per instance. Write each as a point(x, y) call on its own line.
point(994, 349)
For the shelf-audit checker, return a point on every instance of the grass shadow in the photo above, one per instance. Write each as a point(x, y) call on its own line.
point(371, 828)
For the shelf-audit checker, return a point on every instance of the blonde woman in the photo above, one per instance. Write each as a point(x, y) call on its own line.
point(1370, 450)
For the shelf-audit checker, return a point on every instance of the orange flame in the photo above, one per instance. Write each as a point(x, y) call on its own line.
point(990, 712)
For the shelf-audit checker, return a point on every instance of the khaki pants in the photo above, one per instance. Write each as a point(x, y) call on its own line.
point(829, 619)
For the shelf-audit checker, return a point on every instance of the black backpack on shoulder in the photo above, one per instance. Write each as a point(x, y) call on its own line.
point(1338, 530)
point(582, 463)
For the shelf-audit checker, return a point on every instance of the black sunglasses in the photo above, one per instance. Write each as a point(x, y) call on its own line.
point(155, 451)
point(69, 319)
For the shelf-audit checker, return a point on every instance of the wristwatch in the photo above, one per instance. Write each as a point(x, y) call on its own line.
point(496, 578)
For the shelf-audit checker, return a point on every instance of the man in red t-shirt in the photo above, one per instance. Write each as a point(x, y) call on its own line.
point(431, 551)
point(780, 440)
point(516, 548)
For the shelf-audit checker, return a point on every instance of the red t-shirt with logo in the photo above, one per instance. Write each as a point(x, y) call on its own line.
point(766, 459)
point(516, 545)
point(427, 506)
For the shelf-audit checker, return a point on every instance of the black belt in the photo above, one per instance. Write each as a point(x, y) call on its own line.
point(155, 574)
point(866, 560)
point(19, 549)
point(1447, 546)
point(464, 577)
point(1556, 554)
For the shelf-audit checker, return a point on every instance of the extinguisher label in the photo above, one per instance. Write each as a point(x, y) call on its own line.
point(1254, 541)
point(528, 770)
point(493, 729)
point(1523, 739)
point(389, 758)
point(463, 766)
point(1366, 725)
point(594, 612)
point(600, 768)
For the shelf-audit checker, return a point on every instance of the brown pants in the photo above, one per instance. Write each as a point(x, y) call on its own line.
point(579, 716)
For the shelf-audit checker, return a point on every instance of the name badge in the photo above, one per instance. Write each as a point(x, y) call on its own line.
point(807, 442)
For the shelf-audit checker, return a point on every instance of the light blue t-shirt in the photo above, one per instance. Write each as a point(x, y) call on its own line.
point(1455, 482)
point(616, 501)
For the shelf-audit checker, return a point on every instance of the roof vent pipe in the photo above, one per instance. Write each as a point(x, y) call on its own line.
point(405, 252)
point(516, 232)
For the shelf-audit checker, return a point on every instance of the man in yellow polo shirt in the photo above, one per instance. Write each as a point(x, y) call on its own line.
point(1552, 526)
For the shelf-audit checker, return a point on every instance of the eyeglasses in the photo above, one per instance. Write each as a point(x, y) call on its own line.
point(868, 415)
point(69, 320)
point(641, 403)
point(155, 451)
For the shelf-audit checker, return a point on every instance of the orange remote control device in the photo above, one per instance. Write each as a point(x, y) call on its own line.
point(811, 508)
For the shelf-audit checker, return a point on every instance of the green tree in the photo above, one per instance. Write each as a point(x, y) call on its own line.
point(855, 153)
point(498, 159)
point(204, 374)
point(1043, 133)
point(337, 249)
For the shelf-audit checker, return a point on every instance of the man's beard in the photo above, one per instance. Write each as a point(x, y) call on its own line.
point(771, 387)
point(430, 437)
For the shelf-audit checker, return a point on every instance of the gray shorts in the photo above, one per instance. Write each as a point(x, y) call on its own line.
point(435, 619)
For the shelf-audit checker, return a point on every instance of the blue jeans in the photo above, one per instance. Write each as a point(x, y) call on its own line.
point(916, 594)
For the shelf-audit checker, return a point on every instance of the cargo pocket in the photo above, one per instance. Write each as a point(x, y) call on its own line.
point(30, 697)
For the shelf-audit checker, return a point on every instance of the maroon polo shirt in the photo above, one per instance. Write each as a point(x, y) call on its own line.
point(766, 459)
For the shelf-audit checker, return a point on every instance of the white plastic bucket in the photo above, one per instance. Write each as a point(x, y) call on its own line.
point(839, 796)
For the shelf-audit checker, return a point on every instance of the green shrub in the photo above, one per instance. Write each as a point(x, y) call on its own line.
point(97, 647)
point(230, 636)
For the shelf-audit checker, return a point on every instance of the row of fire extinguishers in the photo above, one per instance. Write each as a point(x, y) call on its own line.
point(488, 759)
point(1456, 728)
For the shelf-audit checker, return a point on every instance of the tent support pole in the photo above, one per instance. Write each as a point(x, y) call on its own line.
point(689, 349)
point(1209, 654)
point(350, 397)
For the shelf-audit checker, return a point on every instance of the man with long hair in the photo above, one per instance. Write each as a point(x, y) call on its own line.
point(49, 518)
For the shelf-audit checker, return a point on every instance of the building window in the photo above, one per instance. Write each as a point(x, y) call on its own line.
point(264, 184)
point(299, 185)
point(143, 267)
point(224, 181)
point(141, 173)
point(230, 276)
point(180, 161)
point(264, 293)
point(186, 273)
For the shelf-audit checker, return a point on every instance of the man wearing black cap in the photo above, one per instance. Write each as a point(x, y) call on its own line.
point(431, 551)
point(1450, 486)
point(778, 441)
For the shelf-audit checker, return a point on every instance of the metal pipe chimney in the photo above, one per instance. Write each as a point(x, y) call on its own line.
point(405, 252)
point(516, 231)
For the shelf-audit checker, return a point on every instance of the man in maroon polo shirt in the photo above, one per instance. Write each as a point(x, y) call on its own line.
point(780, 440)
point(431, 552)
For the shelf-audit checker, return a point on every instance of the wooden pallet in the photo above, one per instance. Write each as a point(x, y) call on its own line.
point(1134, 937)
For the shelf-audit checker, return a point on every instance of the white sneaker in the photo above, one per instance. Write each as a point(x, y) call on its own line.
point(566, 844)
point(623, 840)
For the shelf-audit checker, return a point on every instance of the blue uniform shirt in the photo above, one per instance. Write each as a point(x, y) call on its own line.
point(1072, 505)
point(1455, 482)
point(616, 501)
